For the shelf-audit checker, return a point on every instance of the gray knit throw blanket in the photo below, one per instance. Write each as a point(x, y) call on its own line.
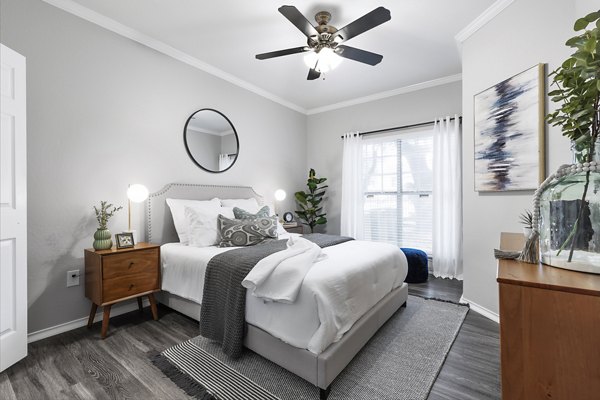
point(223, 311)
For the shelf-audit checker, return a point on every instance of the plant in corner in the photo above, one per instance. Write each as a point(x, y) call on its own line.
point(103, 237)
point(310, 202)
point(577, 91)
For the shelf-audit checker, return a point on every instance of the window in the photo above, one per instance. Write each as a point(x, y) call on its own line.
point(398, 182)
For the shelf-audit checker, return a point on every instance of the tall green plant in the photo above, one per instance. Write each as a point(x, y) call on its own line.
point(310, 202)
point(577, 83)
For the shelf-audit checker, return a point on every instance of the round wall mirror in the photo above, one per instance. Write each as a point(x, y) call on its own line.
point(211, 140)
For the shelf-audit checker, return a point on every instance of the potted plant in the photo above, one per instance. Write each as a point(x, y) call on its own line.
point(103, 237)
point(569, 201)
point(311, 212)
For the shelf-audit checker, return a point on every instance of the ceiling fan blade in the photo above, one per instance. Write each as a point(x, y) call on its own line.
point(280, 53)
point(368, 21)
point(299, 20)
point(313, 73)
point(359, 55)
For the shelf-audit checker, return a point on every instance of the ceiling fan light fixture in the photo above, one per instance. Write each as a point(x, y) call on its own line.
point(325, 60)
point(325, 49)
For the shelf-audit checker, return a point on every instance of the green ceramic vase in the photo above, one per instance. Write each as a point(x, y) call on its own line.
point(102, 239)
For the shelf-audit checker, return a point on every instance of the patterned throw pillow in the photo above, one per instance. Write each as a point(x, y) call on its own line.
point(246, 232)
point(240, 213)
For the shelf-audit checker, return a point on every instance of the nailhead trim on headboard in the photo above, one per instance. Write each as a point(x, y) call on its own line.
point(171, 186)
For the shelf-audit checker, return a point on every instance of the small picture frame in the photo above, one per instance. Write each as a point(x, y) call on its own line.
point(124, 240)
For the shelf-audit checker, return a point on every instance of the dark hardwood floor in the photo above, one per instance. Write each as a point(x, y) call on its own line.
point(78, 365)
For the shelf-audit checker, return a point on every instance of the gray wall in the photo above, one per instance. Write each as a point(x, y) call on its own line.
point(228, 144)
point(584, 7)
point(103, 112)
point(324, 150)
point(524, 34)
point(205, 148)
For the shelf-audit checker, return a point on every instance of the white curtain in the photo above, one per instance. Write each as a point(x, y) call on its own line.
point(352, 187)
point(225, 161)
point(447, 198)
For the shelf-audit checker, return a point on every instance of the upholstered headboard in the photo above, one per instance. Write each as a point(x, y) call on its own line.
point(159, 222)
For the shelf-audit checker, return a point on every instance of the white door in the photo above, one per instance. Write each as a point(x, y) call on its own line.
point(13, 209)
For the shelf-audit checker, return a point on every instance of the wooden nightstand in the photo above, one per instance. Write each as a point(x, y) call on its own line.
point(115, 275)
point(294, 228)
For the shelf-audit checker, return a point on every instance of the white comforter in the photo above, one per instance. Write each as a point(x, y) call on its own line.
point(354, 277)
point(335, 292)
point(278, 277)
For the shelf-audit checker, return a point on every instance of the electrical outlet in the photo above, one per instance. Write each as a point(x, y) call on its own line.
point(73, 278)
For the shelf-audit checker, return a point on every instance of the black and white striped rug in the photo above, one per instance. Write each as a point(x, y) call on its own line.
point(400, 362)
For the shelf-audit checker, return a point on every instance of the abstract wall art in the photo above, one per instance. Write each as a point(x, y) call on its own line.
point(509, 133)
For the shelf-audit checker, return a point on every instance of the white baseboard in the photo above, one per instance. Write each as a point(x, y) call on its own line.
point(481, 310)
point(78, 323)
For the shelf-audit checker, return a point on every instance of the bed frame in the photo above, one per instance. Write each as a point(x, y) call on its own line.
point(318, 369)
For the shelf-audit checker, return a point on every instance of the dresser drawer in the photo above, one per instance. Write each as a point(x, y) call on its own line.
point(129, 285)
point(131, 263)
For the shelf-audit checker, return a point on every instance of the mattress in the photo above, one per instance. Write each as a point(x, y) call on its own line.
point(308, 322)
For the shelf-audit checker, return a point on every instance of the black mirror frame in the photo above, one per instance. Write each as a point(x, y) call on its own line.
point(187, 149)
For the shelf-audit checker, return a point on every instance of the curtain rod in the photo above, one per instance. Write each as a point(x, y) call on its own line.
point(396, 128)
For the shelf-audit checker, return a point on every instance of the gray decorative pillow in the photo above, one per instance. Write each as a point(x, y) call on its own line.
point(246, 232)
point(240, 213)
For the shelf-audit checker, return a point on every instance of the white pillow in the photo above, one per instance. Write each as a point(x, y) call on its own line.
point(177, 207)
point(202, 227)
point(250, 205)
point(227, 212)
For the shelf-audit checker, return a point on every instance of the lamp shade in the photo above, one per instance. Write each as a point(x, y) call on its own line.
point(280, 194)
point(326, 57)
point(137, 193)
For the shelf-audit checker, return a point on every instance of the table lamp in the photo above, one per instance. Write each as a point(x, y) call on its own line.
point(280, 195)
point(136, 193)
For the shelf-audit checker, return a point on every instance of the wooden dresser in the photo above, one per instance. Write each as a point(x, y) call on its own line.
point(549, 330)
point(116, 275)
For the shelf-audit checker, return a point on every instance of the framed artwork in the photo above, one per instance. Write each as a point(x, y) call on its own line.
point(509, 133)
point(124, 240)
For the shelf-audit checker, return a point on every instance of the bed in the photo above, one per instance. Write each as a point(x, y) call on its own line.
point(279, 332)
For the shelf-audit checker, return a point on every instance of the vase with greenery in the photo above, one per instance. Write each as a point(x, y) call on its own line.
point(569, 208)
point(311, 202)
point(103, 237)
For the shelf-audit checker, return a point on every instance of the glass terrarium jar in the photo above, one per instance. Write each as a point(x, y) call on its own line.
point(570, 237)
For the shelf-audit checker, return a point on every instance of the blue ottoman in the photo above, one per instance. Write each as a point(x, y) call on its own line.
point(417, 265)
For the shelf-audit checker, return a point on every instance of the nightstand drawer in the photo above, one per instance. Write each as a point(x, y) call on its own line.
point(129, 285)
point(131, 263)
point(113, 275)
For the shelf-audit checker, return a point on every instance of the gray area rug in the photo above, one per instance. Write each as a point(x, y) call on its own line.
point(401, 361)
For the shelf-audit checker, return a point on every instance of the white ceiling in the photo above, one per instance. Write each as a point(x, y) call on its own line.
point(417, 44)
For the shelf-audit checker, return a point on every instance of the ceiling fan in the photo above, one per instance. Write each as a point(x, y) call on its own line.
point(324, 41)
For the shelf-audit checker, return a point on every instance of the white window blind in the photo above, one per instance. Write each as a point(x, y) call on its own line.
point(398, 183)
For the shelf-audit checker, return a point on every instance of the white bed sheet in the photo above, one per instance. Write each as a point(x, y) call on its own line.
point(308, 323)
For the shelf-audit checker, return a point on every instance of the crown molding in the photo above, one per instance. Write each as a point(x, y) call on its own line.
point(389, 93)
point(209, 132)
point(489, 14)
point(112, 25)
point(137, 36)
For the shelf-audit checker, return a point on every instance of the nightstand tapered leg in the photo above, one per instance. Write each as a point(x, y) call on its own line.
point(105, 320)
point(153, 306)
point(140, 306)
point(92, 315)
